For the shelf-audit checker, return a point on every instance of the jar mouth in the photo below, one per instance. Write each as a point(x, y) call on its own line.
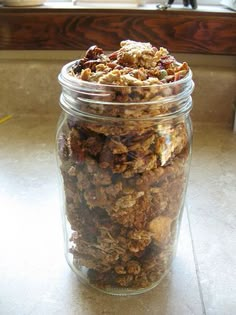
point(66, 80)
point(157, 101)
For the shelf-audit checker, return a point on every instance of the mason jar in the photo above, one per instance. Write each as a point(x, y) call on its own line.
point(123, 156)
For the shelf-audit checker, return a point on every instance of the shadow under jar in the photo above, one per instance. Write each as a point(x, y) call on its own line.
point(123, 153)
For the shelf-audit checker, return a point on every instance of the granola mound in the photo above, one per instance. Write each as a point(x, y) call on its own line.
point(134, 64)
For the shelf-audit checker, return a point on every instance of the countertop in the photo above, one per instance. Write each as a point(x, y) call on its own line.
point(34, 277)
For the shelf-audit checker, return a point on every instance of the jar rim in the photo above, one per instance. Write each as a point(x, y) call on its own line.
point(89, 98)
point(65, 79)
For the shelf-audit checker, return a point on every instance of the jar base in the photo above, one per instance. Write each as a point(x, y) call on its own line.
point(81, 274)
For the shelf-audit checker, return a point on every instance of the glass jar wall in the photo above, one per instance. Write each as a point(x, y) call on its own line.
point(123, 156)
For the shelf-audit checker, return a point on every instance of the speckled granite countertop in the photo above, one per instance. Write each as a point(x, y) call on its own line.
point(35, 279)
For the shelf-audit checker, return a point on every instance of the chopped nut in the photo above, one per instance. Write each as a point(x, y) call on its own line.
point(72, 171)
point(133, 267)
point(120, 270)
point(128, 201)
point(124, 281)
point(139, 240)
point(160, 227)
point(85, 74)
point(117, 147)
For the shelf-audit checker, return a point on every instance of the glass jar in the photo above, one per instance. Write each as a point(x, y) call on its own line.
point(123, 153)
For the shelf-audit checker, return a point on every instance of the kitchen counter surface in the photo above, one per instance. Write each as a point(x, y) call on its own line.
point(34, 277)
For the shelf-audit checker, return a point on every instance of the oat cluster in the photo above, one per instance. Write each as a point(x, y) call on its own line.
point(124, 181)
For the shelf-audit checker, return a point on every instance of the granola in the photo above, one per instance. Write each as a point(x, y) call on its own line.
point(134, 64)
point(124, 180)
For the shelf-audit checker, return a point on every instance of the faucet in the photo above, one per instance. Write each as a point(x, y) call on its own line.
point(186, 3)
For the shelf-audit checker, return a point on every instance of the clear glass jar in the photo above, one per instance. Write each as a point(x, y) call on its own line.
point(123, 153)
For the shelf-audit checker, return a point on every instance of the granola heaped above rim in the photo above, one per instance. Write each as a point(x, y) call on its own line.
point(134, 64)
